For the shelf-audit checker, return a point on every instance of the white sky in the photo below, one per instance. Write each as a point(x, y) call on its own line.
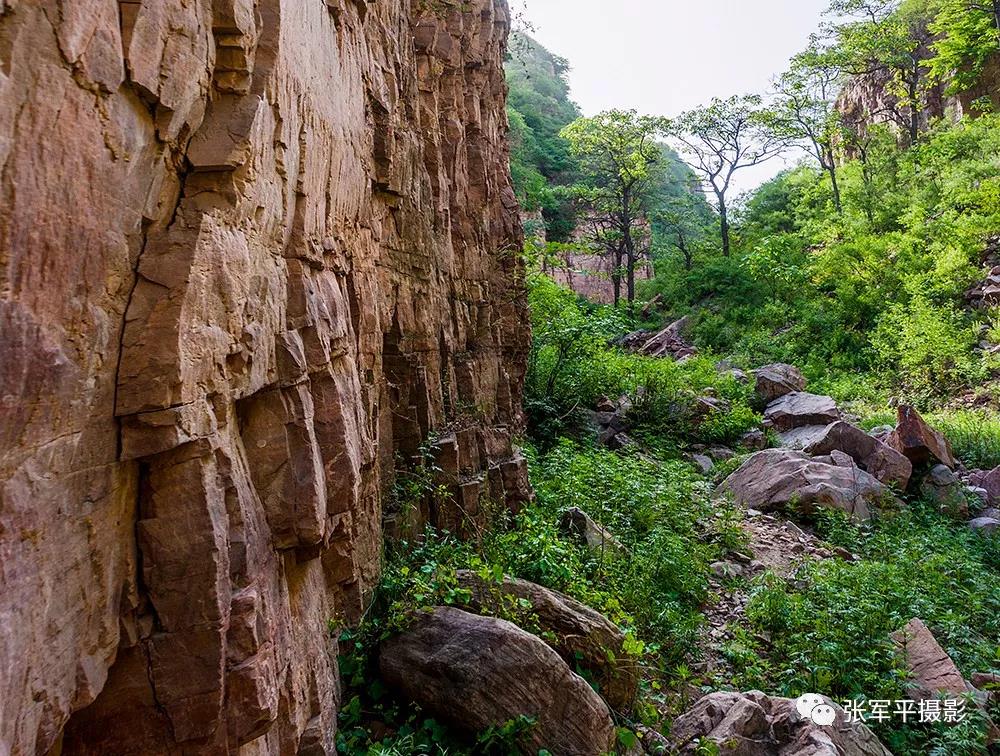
point(662, 57)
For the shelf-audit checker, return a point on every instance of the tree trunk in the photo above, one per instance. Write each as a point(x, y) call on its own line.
point(629, 267)
point(616, 275)
point(831, 168)
point(913, 86)
point(996, 13)
point(723, 222)
point(685, 250)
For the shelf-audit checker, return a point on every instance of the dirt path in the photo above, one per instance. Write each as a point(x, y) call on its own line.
point(775, 544)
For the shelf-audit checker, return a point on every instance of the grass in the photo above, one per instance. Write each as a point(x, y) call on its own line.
point(829, 629)
point(974, 436)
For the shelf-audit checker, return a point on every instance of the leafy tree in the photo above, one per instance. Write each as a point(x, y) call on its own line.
point(889, 42)
point(538, 107)
point(968, 34)
point(621, 163)
point(724, 138)
point(807, 94)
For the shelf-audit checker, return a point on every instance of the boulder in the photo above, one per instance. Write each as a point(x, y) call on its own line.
point(871, 455)
point(989, 481)
point(932, 672)
point(920, 443)
point(774, 381)
point(476, 672)
point(943, 487)
point(989, 681)
point(781, 479)
point(584, 638)
point(755, 440)
point(985, 525)
point(754, 724)
point(799, 438)
point(721, 453)
point(581, 526)
point(799, 409)
point(703, 462)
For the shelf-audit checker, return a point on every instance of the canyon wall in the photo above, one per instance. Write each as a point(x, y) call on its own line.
point(255, 257)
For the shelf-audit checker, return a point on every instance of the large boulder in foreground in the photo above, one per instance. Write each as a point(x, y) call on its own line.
point(475, 672)
point(870, 454)
point(584, 638)
point(774, 381)
point(754, 724)
point(918, 441)
point(800, 409)
point(784, 479)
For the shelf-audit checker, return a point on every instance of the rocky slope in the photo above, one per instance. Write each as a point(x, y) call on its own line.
point(254, 253)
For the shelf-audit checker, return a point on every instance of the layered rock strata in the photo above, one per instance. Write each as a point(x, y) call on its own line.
point(255, 255)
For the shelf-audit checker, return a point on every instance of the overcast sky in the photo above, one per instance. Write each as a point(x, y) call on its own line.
point(665, 56)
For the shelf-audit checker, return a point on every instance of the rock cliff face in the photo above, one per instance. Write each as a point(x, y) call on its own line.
point(253, 255)
point(868, 99)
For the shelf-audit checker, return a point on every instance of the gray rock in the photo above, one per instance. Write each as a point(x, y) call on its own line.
point(579, 525)
point(755, 440)
point(702, 462)
point(800, 409)
point(754, 724)
point(942, 486)
point(985, 525)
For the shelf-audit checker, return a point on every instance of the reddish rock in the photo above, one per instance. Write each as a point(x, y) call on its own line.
point(584, 638)
point(774, 381)
point(989, 481)
point(932, 672)
point(871, 455)
point(782, 479)
point(254, 253)
point(477, 672)
point(754, 724)
point(920, 443)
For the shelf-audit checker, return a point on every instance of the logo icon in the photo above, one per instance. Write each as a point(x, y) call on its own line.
point(814, 707)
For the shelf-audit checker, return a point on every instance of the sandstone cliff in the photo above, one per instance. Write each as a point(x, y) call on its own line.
point(253, 254)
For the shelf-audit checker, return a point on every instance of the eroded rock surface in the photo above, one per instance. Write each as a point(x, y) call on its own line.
point(754, 724)
point(870, 454)
point(799, 409)
point(774, 381)
point(253, 252)
point(788, 480)
point(583, 637)
point(476, 672)
point(921, 444)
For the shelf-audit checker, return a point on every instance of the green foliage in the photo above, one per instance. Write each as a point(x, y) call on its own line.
point(539, 107)
point(877, 290)
point(830, 629)
point(968, 34)
point(571, 366)
point(974, 436)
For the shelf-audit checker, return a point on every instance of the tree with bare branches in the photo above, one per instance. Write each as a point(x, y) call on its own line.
point(723, 138)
